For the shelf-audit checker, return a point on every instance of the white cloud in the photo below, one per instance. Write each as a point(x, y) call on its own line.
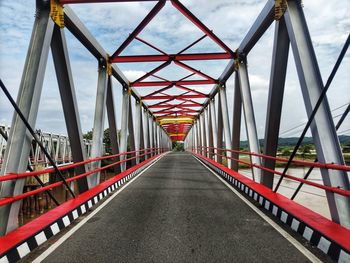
point(111, 23)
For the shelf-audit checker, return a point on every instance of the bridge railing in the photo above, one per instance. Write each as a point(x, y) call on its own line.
point(210, 152)
point(124, 157)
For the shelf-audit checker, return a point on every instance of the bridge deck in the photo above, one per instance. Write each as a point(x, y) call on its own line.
point(177, 211)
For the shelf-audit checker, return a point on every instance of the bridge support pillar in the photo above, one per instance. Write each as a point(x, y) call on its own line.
point(249, 117)
point(214, 128)
point(236, 123)
point(226, 123)
point(322, 128)
point(112, 123)
point(69, 102)
point(275, 99)
point(220, 131)
point(146, 133)
point(97, 135)
point(124, 127)
point(131, 137)
point(16, 156)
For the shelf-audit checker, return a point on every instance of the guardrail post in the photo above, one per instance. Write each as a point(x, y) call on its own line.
point(249, 118)
point(16, 155)
point(323, 130)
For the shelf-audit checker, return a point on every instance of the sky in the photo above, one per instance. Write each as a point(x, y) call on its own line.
point(328, 21)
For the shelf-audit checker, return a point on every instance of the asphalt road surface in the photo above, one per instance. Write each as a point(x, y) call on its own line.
point(177, 211)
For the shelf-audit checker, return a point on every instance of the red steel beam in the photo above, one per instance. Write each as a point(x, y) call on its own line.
point(155, 58)
point(150, 45)
point(157, 91)
point(192, 44)
point(183, 65)
point(171, 97)
point(177, 112)
point(191, 90)
point(63, 2)
point(192, 105)
point(166, 83)
point(187, 13)
point(153, 71)
point(139, 28)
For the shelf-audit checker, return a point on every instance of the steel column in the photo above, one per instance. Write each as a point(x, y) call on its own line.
point(236, 123)
point(226, 123)
point(98, 129)
point(275, 99)
point(210, 132)
point(219, 131)
point(204, 132)
point(19, 142)
point(69, 102)
point(131, 137)
point(323, 130)
point(214, 127)
point(139, 130)
point(124, 127)
point(146, 133)
point(112, 123)
point(249, 117)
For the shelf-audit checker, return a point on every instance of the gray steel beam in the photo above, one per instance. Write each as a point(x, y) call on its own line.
point(214, 127)
point(141, 130)
point(78, 29)
point(98, 129)
point(146, 133)
point(19, 141)
point(210, 132)
point(236, 123)
point(275, 99)
point(226, 123)
point(151, 132)
point(261, 24)
point(322, 129)
point(249, 117)
point(138, 126)
point(219, 131)
point(204, 134)
point(69, 102)
point(112, 123)
point(131, 137)
point(124, 127)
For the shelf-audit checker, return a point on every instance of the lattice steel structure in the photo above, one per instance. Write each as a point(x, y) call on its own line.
point(179, 117)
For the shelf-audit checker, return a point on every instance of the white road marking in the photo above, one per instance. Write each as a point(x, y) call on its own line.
point(280, 230)
point(53, 247)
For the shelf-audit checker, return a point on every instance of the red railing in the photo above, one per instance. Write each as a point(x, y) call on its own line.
point(211, 151)
point(14, 176)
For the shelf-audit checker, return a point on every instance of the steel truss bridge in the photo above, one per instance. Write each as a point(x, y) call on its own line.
point(182, 207)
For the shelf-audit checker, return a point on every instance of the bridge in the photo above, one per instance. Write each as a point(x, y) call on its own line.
point(140, 201)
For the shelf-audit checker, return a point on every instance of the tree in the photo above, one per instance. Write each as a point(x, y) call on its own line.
point(106, 139)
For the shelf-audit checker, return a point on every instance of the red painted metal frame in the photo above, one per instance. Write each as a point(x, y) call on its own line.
point(177, 57)
point(167, 59)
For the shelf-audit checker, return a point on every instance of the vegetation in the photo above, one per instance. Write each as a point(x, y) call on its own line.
point(178, 146)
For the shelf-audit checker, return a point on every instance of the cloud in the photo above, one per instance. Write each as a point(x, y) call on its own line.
point(111, 23)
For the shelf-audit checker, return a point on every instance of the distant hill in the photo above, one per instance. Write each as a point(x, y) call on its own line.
point(344, 139)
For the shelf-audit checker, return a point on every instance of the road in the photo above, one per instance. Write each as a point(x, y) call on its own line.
point(177, 211)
